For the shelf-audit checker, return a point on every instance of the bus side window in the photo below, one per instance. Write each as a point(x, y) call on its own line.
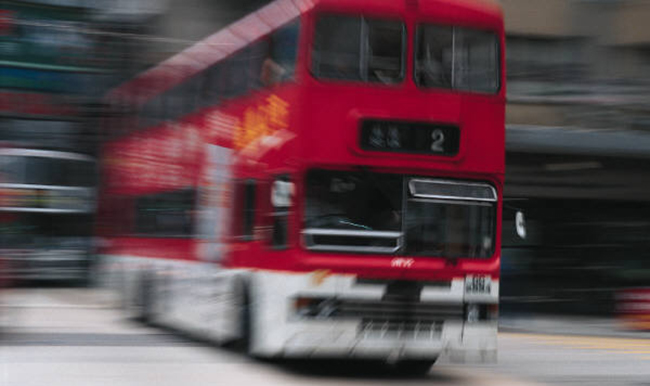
point(280, 62)
point(284, 48)
point(244, 209)
point(150, 113)
point(258, 55)
point(282, 192)
point(190, 94)
point(168, 103)
point(174, 100)
point(235, 76)
point(211, 91)
point(167, 214)
point(249, 209)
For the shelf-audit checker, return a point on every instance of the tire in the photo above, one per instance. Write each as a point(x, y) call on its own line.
point(137, 304)
point(126, 298)
point(414, 367)
point(146, 298)
point(244, 317)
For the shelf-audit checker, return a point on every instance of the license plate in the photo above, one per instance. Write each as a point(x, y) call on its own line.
point(478, 284)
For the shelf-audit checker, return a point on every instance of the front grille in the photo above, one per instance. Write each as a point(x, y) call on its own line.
point(397, 311)
point(376, 328)
point(394, 312)
point(398, 319)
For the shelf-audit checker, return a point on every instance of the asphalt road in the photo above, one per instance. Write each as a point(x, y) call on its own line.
point(75, 337)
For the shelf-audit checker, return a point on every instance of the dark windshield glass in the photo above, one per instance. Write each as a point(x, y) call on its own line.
point(353, 201)
point(457, 58)
point(359, 49)
point(450, 229)
point(384, 213)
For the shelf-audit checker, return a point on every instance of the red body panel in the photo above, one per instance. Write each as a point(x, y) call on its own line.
point(316, 126)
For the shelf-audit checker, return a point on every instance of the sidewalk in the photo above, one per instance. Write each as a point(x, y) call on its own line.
point(568, 325)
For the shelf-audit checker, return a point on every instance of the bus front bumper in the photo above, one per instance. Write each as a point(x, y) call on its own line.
point(456, 342)
point(279, 331)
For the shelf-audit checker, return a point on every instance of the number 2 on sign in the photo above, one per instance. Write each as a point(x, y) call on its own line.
point(438, 138)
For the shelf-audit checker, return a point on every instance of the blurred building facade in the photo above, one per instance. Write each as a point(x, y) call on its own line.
point(578, 63)
point(578, 153)
point(58, 58)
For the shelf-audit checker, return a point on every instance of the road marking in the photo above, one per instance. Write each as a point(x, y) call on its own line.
point(631, 346)
point(472, 376)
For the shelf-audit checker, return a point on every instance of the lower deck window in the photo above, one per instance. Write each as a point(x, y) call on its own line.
point(244, 210)
point(165, 214)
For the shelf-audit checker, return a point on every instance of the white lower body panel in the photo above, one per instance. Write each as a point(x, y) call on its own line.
point(205, 300)
point(278, 331)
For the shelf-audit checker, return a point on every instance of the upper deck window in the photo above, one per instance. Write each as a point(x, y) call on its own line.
point(456, 58)
point(358, 49)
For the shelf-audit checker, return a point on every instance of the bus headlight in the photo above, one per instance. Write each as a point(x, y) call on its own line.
point(473, 313)
point(314, 307)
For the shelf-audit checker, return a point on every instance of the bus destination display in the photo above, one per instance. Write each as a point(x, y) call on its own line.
point(410, 137)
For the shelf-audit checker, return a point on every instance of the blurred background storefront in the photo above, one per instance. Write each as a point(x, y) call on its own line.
point(578, 149)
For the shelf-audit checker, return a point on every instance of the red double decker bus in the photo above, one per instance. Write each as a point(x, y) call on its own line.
point(322, 178)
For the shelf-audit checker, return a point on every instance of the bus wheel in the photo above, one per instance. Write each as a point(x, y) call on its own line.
point(243, 311)
point(138, 307)
point(414, 367)
point(146, 298)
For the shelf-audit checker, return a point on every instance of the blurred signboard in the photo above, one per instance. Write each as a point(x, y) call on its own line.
point(31, 199)
point(46, 35)
point(45, 80)
point(49, 48)
point(24, 103)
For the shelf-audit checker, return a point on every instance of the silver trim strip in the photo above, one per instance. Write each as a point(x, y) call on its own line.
point(309, 233)
point(452, 202)
point(353, 249)
point(413, 190)
point(351, 233)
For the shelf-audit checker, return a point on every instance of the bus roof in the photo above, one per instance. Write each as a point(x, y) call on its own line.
point(489, 8)
point(237, 35)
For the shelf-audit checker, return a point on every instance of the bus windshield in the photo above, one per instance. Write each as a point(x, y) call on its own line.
point(456, 58)
point(359, 49)
point(362, 211)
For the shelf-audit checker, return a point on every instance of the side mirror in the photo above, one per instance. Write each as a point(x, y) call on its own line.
point(520, 224)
